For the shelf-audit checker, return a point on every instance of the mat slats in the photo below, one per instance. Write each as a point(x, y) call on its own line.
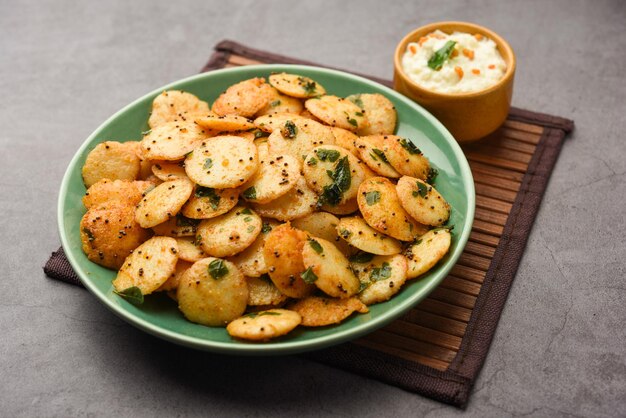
point(521, 126)
point(381, 345)
point(493, 204)
point(436, 322)
point(432, 332)
point(496, 172)
point(461, 285)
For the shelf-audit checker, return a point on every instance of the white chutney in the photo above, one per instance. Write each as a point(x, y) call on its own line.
point(475, 63)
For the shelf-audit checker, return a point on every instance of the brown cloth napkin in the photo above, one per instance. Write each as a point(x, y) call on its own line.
point(452, 385)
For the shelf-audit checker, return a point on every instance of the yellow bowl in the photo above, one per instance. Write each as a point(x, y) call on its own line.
point(468, 116)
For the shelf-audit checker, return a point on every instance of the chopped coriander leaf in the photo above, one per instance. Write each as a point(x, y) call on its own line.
point(358, 113)
point(312, 161)
point(327, 154)
point(208, 163)
point(353, 122)
point(308, 276)
point(246, 211)
point(249, 193)
point(275, 103)
point(309, 86)
point(372, 197)
point(247, 219)
point(290, 130)
point(409, 146)
point(132, 294)
point(362, 286)
point(316, 246)
point(217, 269)
point(208, 192)
point(260, 134)
point(266, 228)
point(186, 222)
point(361, 257)
point(342, 177)
point(250, 229)
point(422, 190)
point(341, 182)
point(432, 174)
point(441, 55)
point(381, 273)
point(356, 99)
point(381, 155)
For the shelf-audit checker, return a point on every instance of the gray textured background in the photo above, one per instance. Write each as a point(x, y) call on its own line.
point(66, 66)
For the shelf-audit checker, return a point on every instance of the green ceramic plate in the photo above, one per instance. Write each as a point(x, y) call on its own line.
point(159, 314)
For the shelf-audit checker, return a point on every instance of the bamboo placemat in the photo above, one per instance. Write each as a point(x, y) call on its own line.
point(438, 348)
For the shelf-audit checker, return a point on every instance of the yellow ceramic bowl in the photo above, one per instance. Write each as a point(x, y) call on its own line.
point(468, 116)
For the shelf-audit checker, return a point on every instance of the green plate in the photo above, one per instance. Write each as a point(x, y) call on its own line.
point(160, 316)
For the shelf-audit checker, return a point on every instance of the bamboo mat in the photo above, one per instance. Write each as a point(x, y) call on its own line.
point(438, 348)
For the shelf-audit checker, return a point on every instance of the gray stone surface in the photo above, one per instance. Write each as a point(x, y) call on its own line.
point(66, 66)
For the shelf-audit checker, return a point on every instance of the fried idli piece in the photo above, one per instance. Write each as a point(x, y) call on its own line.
point(382, 210)
point(333, 173)
point(149, 266)
point(175, 106)
point(405, 157)
point(166, 170)
point(299, 137)
point(223, 162)
point(189, 249)
point(373, 152)
point(337, 111)
point(229, 234)
point(176, 227)
point(262, 292)
point(319, 311)
point(264, 325)
point(283, 257)
point(109, 234)
point(251, 261)
point(207, 203)
point(171, 141)
point(380, 112)
point(107, 191)
point(244, 98)
point(163, 202)
point(212, 292)
point(323, 225)
point(345, 139)
point(422, 201)
point(172, 282)
point(381, 277)
point(296, 86)
point(427, 251)
point(269, 123)
point(328, 268)
point(356, 232)
point(276, 176)
point(226, 123)
point(279, 103)
point(111, 160)
point(296, 203)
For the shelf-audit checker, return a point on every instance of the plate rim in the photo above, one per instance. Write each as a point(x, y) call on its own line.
point(279, 347)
